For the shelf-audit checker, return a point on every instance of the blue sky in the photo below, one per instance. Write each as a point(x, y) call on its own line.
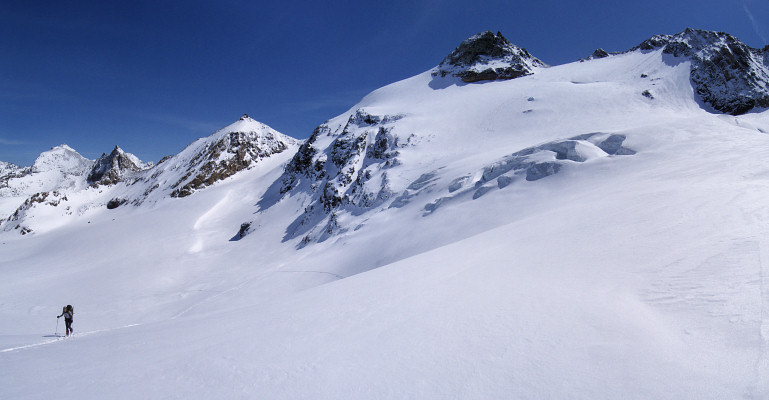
point(152, 76)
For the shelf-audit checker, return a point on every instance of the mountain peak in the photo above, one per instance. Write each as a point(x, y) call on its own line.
point(488, 56)
point(692, 42)
point(245, 124)
point(110, 168)
point(229, 150)
point(726, 73)
point(60, 158)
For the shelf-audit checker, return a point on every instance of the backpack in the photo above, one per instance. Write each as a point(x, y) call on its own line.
point(71, 310)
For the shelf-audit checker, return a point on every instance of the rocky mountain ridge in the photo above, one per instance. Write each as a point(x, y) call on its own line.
point(59, 168)
point(354, 164)
point(7, 168)
point(726, 74)
point(227, 152)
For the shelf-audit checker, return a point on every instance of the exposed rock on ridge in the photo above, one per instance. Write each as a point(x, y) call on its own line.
point(726, 74)
point(232, 149)
point(119, 178)
point(485, 57)
point(111, 168)
point(7, 168)
point(349, 172)
point(61, 168)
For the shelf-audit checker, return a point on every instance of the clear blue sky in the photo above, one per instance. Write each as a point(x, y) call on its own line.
point(152, 76)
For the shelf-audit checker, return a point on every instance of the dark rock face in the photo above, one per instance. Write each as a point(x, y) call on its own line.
point(109, 169)
point(115, 203)
point(486, 57)
point(598, 53)
point(726, 74)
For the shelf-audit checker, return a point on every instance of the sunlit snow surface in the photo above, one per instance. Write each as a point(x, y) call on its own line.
point(637, 276)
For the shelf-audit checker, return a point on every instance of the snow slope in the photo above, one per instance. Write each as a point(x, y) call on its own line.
point(639, 274)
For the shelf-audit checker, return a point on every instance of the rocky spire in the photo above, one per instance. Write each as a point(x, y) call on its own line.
point(110, 168)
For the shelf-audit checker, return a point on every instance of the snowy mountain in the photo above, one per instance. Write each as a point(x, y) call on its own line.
point(59, 169)
point(487, 56)
point(225, 153)
point(506, 229)
point(112, 168)
point(53, 169)
point(119, 177)
point(7, 168)
point(54, 174)
point(728, 75)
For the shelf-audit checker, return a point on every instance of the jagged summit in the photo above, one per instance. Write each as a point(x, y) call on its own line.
point(111, 168)
point(488, 56)
point(728, 75)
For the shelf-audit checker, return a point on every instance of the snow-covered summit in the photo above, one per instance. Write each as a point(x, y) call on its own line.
point(727, 74)
point(234, 148)
point(59, 168)
point(486, 56)
point(61, 158)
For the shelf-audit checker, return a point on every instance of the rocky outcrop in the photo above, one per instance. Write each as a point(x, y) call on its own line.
point(488, 57)
point(597, 54)
point(339, 173)
point(16, 220)
point(726, 74)
point(227, 152)
point(8, 171)
point(7, 168)
point(111, 168)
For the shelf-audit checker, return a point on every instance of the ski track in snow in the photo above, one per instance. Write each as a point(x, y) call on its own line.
point(60, 338)
point(240, 286)
point(318, 272)
point(204, 219)
point(212, 297)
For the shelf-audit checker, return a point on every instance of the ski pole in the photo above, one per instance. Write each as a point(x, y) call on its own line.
point(57, 327)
